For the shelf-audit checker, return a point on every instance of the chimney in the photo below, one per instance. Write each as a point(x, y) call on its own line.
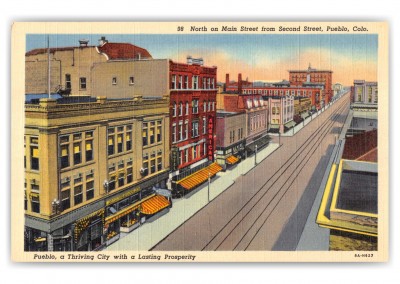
point(103, 41)
point(226, 80)
point(240, 83)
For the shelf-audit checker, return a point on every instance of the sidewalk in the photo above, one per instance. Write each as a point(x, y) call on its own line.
point(149, 234)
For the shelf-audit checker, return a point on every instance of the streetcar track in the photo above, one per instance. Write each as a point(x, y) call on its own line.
point(326, 126)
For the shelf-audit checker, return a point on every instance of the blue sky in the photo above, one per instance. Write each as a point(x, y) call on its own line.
point(259, 57)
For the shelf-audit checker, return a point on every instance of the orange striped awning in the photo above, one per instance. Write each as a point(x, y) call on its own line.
point(231, 160)
point(199, 177)
point(154, 204)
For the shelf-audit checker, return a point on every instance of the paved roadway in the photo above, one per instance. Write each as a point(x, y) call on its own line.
point(267, 208)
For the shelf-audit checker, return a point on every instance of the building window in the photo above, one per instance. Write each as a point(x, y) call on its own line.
point(180, 82)
point(180, 108)
point(65, 199)
point(145, 166)
point(159, 163)
point(209, 83)
point(144, 134)
point(180, 131)
point(111, 183)
point(131, 80)
point(173, 133)
point(195, 82)
point(35, 204)
point(195, 106)
point(209, 106)
point(186, 82)
point(187, 108)
point(186, 129)
point(121, 179)
point(68, 81)
point(34, 157)
point(129, 175)
point(212, 83)
point(204, 125)
point(82, 82)
point(114, 81)
point(186, 156)
point(78, 196)
point(173, 82)
point(152, 132)
point(89, 150)
point(77, 153)
point(128, 141)
point(89, 190)
point(174, 110)
point(204, 106)
point(120, 142)
point(152, 166)
point(204, 83)
point(204, 149)
point(195, 129)
point(159, 128)
point(194, 152)
point(111, 145)
point(64, 156)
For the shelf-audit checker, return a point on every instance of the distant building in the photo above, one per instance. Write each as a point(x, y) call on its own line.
point(365, 93)
point(87, 176)
point(313, 78)
point(280, 113)
point(256, 119)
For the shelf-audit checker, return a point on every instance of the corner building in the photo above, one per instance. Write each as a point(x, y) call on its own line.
point(87, 179)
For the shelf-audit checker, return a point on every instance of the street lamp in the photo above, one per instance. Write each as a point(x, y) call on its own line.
point(209, 181)
point(56, 205)
point(255, 157)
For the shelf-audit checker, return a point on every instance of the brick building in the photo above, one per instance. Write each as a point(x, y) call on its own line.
point(313, 78)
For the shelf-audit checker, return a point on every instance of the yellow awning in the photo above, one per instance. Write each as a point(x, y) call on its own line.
point(200, 176)
point(231, 160)
point(154, 205)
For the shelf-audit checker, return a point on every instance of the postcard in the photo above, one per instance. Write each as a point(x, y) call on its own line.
point(200, 142)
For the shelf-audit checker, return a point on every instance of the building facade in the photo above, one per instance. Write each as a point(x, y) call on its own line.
point(365, 92)
point(87, 178)
point(71, 67)
point(312, 77)
point(281, 113)
point(231, 137)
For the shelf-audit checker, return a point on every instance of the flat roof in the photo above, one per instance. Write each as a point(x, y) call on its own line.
point(358, 191)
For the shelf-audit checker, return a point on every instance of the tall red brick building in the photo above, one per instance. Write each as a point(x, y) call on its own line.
point(313, 77)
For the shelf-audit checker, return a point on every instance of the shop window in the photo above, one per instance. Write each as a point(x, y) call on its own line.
point(82, 83)
point(89, 190)
point(110, 145)
point(77, 153)
point(35, 204)
point(78, 195)
point(65, 199)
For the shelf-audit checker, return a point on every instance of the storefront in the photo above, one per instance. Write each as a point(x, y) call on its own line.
point(88, 232)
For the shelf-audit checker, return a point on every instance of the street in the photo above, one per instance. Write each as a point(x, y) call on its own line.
point(254, 212)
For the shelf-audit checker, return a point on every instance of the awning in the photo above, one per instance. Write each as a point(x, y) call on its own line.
point(200, 176)
point(154, 204)
point(290, 124)
point(260, 143)
point(231, 160)
point(125, 211)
